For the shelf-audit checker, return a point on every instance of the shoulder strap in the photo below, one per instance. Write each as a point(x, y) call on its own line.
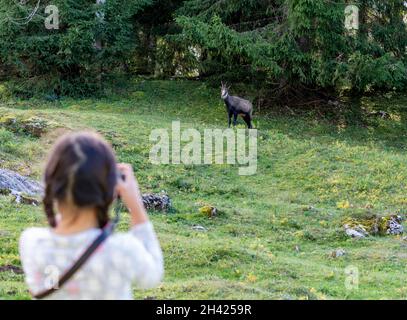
point(106, 232)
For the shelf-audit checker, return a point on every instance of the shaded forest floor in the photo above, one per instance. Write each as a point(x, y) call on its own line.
point(276, 229)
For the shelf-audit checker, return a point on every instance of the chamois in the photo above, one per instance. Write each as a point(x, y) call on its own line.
point(237, 106)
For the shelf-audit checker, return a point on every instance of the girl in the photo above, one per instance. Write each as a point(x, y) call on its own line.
point(80, 185)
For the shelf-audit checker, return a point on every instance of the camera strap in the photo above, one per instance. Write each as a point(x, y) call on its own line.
point(68, 274)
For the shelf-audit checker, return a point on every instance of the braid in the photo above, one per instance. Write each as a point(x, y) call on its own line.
point(48, 203)
point(103, 215)
point(107, 197)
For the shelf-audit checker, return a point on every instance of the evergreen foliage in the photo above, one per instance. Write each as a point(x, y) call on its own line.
point(289, 50)
point(295, 47)
point(67, 58)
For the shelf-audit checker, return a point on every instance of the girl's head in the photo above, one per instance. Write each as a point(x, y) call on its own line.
point(81, 172)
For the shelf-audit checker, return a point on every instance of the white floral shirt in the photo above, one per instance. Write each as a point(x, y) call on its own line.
point(123, 259)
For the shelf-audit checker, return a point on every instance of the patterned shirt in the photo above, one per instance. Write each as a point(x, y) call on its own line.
point(123, 259)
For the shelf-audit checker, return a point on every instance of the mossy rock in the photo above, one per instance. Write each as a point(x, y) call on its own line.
point(34, 126)
point(8, 120)
point(375, 225)
point(208, 211)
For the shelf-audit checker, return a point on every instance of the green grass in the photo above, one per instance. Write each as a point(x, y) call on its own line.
point(306, 166)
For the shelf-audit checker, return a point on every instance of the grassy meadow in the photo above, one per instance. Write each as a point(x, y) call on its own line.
point(275, 230)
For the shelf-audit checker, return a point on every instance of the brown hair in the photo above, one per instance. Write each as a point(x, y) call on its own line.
point(81, 170)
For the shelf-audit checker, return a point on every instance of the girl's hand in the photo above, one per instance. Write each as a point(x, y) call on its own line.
point(128, 186)
point(129, 192)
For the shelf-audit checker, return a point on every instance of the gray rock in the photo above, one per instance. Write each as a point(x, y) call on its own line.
point(394, 226)
point(14, 183)
point(158, 202)
point(199, 228)
point(338, 253)
point(22, 188)
point(356, 232)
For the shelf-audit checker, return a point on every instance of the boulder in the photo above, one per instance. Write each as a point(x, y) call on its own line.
point(394, 226)
point(373, 225)
point(356, 231)
point(209, 211)
point(14, 182)
point(337, 253)
point(157, 202)
point(199, 228)
point(35, 126)
point(24, 190)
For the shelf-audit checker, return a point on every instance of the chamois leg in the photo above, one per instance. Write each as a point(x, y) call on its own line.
point(248, 121)
point(229, 118)
point(234, 119)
